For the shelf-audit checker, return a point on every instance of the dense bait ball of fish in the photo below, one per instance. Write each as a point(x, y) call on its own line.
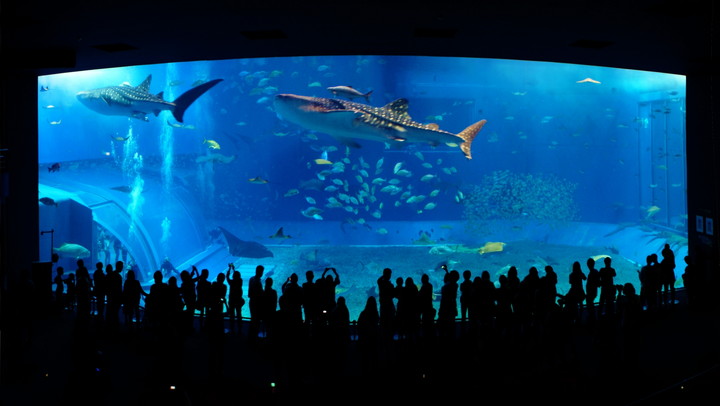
point(505, 195)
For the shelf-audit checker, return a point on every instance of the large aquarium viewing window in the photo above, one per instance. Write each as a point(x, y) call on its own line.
point(362, 163)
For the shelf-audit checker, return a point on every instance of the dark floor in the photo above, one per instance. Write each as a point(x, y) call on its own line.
point(57, 360)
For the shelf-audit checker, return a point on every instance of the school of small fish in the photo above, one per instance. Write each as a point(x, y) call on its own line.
point(362, 189)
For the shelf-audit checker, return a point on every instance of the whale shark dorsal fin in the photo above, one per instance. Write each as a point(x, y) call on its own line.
point(145, 85)
point(399, 107)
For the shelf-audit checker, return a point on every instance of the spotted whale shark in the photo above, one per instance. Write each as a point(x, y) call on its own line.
point(138, 102)
point(348, 121)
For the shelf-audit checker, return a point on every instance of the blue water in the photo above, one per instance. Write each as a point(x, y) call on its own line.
point(579, 156)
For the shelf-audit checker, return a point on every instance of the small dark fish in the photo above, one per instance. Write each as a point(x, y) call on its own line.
point(47, 201)
point(257, 180)
point(124, 189)
point(279, 234)
point(44, 88)
point(54, 167)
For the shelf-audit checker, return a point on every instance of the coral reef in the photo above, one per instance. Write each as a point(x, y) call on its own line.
point(505, 195)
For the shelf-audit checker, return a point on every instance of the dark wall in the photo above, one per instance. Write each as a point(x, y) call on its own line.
point(703, 167)
point(19, 204)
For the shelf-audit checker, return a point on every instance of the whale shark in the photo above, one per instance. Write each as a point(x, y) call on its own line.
point(138, 102)
point(348, 121)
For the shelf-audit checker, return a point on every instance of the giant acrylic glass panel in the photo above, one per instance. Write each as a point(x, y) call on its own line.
point(210, 163)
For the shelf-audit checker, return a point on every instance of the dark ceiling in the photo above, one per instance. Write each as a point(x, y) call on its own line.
point(48, 37)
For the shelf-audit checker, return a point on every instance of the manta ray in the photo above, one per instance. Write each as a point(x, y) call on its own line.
point(346, 121)
point(244, 249)
point(138, 102)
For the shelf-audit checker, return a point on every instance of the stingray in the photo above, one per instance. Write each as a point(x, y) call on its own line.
point(244, 249)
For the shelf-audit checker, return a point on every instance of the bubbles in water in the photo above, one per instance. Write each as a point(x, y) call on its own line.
point(165, 238)
point(136, 198)
point(166, 150)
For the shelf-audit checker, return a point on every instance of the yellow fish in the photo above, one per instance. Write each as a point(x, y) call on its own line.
point(651, 211)
point(212, 144)
point(321, 161)
point(491, 247)
point(588, 80)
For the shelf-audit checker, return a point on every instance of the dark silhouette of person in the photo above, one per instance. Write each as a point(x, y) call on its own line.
point(368, 329)
point(175, 303)
point(527, 298)
point(484, 302)
point(399, 307)
point(409, 317)
point(667, 275)
point(425, 307)
point(269, 307)
point(114, 284)
point(386, 294)
point(465, 295)
point(339, 323)
point(120, 267)
point(549, 288)
point(591, 288)
point(189, 298)
point(157, 306)
point(327, 290)
point(255, 301)
point(71, 292)
point(217, 302)
point(203, 289)
point(132, 293)
point(292, 300)
point(235, 297)
point(100, 290)
point(504, 308)
point(648, 284)
point(576, 294)
point(513, 283)
point(59, 282)
point(448, 309)
point(310, 298)
point(83, 291)
point(607, 287)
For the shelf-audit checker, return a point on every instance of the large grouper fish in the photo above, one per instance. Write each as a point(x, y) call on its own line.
point(138, 102)
point(348, 121)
